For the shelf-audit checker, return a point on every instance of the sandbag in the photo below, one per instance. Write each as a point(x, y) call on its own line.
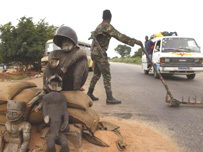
point(34, 118)
point(77, 99)
point(89, 118)
point(25, 95)
point(8, 90)
point(2, 119)
point(3, 108)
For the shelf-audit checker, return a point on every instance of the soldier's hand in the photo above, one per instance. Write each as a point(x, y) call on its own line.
point(139, 43)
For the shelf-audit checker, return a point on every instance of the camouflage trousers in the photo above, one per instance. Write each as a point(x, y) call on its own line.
point(101, 67)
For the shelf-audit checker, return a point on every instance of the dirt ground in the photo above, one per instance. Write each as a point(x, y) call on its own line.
point(138, 136)
point(13, 75)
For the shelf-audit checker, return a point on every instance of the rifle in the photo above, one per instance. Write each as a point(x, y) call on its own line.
point(95, 42)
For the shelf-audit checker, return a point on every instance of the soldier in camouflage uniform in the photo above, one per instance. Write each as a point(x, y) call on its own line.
point(101, 38)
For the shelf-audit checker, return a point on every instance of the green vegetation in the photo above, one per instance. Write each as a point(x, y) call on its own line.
point(123, 50)
point(136, 60)
point(24, 43)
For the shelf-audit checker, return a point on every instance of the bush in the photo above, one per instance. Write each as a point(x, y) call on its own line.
point(136, 60)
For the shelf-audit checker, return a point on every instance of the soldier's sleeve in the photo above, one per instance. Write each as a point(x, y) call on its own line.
point(119, 36)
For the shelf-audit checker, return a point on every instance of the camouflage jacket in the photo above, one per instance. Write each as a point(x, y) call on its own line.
point(103, 34)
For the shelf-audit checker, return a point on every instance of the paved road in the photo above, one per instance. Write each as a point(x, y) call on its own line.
point(143, 98)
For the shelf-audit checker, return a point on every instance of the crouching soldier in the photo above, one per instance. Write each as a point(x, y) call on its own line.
point(70, 63)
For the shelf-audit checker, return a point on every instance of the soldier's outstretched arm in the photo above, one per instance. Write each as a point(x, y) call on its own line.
point(122, 37)
point(138, 43)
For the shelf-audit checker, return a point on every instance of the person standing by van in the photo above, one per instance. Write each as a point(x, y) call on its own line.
point(101, 38)
point(148, 47)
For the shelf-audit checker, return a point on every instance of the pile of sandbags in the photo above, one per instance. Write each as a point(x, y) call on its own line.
point(83, 119)
point(79, 104)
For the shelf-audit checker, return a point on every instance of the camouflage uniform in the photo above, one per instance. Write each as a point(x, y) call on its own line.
point(103, 34)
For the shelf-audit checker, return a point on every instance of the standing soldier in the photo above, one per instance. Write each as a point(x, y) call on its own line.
point(101, 38)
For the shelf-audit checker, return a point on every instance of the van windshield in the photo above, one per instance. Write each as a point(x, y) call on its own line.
point(179, 45)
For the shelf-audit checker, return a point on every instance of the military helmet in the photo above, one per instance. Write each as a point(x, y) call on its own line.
point(65, 32)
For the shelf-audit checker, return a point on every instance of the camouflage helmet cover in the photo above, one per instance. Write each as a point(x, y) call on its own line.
point(65, 32)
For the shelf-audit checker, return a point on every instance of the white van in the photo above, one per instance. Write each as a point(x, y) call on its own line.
point(175, 55)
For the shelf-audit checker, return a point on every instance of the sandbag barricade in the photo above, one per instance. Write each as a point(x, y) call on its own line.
point(77, 101)
point(79, 110)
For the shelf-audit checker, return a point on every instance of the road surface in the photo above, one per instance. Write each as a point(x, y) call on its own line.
point(143, 98)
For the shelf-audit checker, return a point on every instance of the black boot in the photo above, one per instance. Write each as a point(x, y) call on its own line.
point(110, 99)
point(90, 94)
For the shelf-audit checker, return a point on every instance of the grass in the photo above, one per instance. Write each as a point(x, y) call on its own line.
point(136, 60)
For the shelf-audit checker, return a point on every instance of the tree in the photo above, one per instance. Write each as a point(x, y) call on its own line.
point(123, 50)
point(25, 42)
point(8, 34)
point(138, 53)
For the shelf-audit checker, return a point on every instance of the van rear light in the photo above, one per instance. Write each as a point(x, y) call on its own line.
point(164, 60)
point(161, 60)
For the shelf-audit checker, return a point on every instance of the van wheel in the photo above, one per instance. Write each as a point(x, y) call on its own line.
point(191, 76)
point(146, 71)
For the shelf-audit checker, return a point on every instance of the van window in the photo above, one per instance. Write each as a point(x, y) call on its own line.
point(180, 45)
point(50, 47)
point(85, 47)
point(158, 45)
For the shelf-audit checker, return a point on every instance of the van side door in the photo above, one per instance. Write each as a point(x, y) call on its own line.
point(156, 52)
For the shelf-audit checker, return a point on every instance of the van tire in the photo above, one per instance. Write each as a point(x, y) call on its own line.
point(190, 76)
point(146, 71)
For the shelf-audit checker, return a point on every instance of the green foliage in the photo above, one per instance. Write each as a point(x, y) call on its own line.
point(25, 42)
point(115, 57)
point(123, 50)
point(138, 53)
point(136, 60)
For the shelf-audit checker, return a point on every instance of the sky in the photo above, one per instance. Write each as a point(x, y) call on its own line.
point(133, 18)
